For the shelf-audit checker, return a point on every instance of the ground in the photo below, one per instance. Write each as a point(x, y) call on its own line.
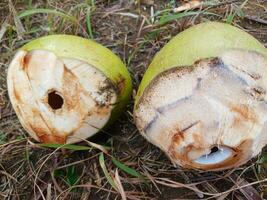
point(134, 30)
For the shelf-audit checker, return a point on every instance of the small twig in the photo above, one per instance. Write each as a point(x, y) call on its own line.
point(141, 27)
point(8, 175)
point(256, 19)
point(4, 28)
point(55, 182)
point(18, 23)
point(249, 192)
point(48, 192)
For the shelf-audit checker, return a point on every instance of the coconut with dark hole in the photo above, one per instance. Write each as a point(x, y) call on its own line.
point(65, 88)
point(203, 98)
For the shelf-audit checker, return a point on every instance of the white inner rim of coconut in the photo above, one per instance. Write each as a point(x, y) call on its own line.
point(59, 97)
point(216, 102)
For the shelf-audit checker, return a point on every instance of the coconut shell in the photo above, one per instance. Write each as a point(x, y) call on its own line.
point(65, 88)
point(89, 51)
point(203, 98)
point(204, 40)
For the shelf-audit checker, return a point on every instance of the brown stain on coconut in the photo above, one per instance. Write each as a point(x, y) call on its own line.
point(71, 89)
point(120, 82)
point(43, 130)
point(46, 136)
point(176, 140)
point(243, 113)
point(25, 60)
point(53, 139)
point(16, 93)
point(108, 88)
point(172, 151)
point(198, 147)
point(102, 111)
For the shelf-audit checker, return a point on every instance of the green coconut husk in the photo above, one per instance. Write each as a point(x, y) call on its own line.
point(69, 46)
point(66, 88)
point(201, 41)
point(202, 100)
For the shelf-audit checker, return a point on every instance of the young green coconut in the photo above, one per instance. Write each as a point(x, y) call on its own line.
point(203, 98)
point(65, 88)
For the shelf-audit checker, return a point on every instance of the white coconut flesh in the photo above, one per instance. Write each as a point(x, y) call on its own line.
point(59, 100)
point(211, 115)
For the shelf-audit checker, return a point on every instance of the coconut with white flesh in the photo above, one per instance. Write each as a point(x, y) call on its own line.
point(62, 95)
point(212, 114)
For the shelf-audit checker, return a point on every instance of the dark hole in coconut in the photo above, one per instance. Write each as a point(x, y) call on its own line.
point(214, 150)
point(55, 100)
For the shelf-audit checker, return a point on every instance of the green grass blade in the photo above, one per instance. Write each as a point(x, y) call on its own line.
point(129, 170)
point(126, 169)
point(46, 11)
point(230, 18)
point(263, 159)
point(168, 18)
point(69, 175)
point(67, 146)
point(88, 24)
point(262, 162)
point(104, 168)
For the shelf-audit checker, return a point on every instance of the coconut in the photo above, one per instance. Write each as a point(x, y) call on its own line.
point(65, 88)
point(203, 98)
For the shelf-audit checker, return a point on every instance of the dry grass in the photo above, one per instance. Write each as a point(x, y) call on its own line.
point(135, 31)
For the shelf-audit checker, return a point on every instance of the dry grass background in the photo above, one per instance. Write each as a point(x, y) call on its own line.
point(134, 30)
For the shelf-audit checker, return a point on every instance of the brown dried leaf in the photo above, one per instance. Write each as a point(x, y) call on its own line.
point(19, 26)
point(119, 185)
point(148, 2)
point(189, 6)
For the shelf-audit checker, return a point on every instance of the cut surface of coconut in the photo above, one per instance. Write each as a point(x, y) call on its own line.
point(216, 155)
point(211, 115)
point(59, 100)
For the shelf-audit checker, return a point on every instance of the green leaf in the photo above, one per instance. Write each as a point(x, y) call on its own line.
point(263, 159)
point(3, 138)
point(230, 18)
point(129, 170)
point(59, 173)
point(153, 34)
point(262, 162)
point(167, 18)
point(126, 169)
point(69, 175)
point(211, 3)
point(239, 12)
point(67, 146)
point(104, 168)
point(47, 11)
point(88, 23)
